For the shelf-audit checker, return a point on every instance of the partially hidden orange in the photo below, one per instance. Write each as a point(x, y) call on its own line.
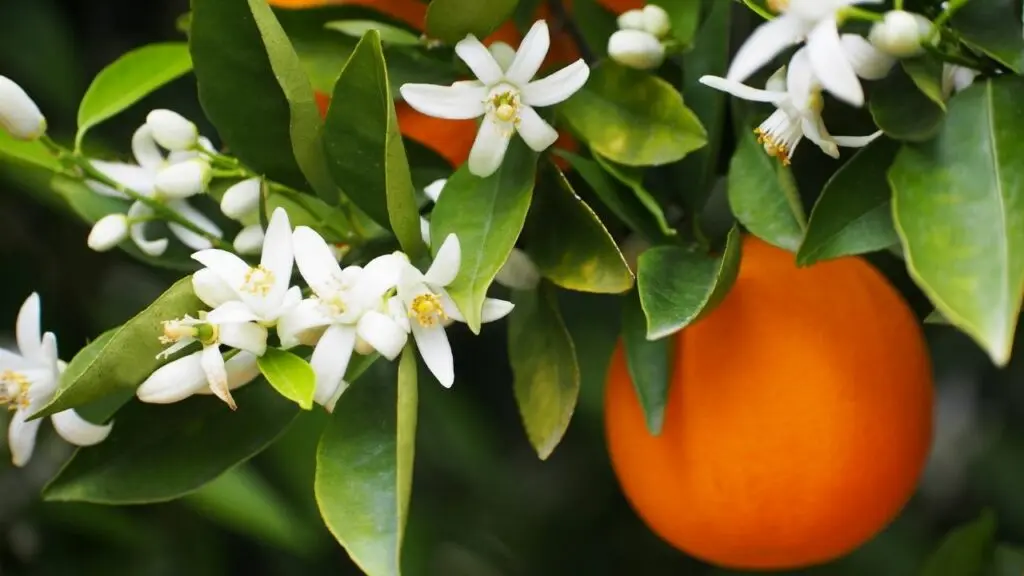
point(798, 422)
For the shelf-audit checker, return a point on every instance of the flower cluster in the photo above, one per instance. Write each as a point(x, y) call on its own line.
point(640, 40)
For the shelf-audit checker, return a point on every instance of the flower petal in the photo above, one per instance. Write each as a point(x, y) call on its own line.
point(231, 269)
point(135, 178)
point(11, 361)
point(316, 263)
point(137, 231)
point(425, 231)
point(211, 289)
point(495, 309)
point(27, 330)
point(78, 430)
point(173, 381)
point(538, 134)
point(434, 189)
point(436, 352)
point(868, 62)
point(815, 131)
point(856, 141)
point(479, 59)
point(398, 313)
point(278, 255)
point(188, 237)
point(765, 44)
point(145, 149)
point(212, 362)
point(489, 147)
point(378, 277)
point(247, 336)
point(383, 333)
point(800, 81)
point(833, 70)
point(330, 361)
point(446, 263)
point(302, 324)
point(558, 86)
point(21, 437)
point(451, 309)
point(742, 91)
point(460, 102)
point(242, 368)
point(532, 51)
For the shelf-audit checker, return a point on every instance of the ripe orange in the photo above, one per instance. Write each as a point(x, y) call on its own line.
point(798, 422)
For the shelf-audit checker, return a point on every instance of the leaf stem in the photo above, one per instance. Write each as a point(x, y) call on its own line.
point(897, 5)
point(951, 9)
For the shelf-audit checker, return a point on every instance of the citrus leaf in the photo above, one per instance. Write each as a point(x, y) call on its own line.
point(290, 375)
point(966, 551)
point(903, 111)
point(1008, 561)
point(633, 178)
point(633, 118)
point(648, 363)
point(994, 28)
point(926, 73)
point(33, 153)
point(129, 79)
point(763, 196)
point(958, 206)
point(546, 377)
point(157, 453)
point(388, 34)
point(452, 20)
point(684, 16)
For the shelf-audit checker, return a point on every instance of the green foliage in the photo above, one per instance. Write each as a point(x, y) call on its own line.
point(763, 196)
point(452, 20)
point(902, 110)
point(965, 551)
point(388, 34)
point(290, 375)
point(993, 28)
point(649, 363)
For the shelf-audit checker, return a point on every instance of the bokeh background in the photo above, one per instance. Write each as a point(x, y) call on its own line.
point(482, 503)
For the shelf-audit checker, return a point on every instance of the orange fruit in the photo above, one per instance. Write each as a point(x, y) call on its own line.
point(798, 422)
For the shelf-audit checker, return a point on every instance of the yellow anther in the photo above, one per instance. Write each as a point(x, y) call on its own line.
point(175, 330)
point(778, 6)
point(14, 389)
point(259, 281)
point(427, 310)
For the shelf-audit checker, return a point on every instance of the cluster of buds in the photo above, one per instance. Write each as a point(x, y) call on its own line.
point(640, 40)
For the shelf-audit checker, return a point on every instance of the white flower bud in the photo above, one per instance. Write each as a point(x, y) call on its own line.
point(656, 21)
point(636, 49)
point(901, 33)
point(519, 272)
point(19, 115)
point(249, 240)
point(108, 232)
point(631, 20)
point(241, 200)
point(433, 190)
point(184, 179)
point(172, 130)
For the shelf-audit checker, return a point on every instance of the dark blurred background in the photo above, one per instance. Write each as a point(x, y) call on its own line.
point(482, 503)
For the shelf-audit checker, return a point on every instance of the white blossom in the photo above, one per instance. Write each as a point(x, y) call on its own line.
point(172, 130)
point(108, 232)
point(901, 34)
point(19, 115)
point(656, 20)
point(241, 201)
point(636, 49)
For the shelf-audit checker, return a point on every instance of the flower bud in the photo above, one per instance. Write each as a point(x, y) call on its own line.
point(631, 20)
point(656, 21)
point(249, 240)
point(636, 49)
point(901, 33)
point(19, 115)
point(184, 179)
point(108, 232)
point(242, 200)
point(172, 130)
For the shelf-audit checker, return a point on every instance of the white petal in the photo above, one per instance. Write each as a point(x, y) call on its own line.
point(173, 381)
point(212, 362)
point(383, 333)
point(460, 102)
point(172, 130)
point(154, 248)
point(21, 437)
point(242, 368)
point(558, 86)
point(249, 240)
point(816, 132)
point(519, 272)
point(479, 60)
point(316, 262)
point(764, 44)
point(495, 309)
point(446, 263)
point(302, 324)
point(247, 336)
point(19, 115)
point(108, 232)
point(800, 81)
point(183, 179)
point(425, 231)
point(396, 309)
point(856, 141)
point(27, 331)
point(231, 269)
point(450, 308)
point(868, 62)
point(489, 147)
point(503, 54)
point(278, 255)
point(78, 430)
point(434, 189)
point(145, 150)
point(175, 348)
point(636, 49)
point(11, 361)
point(538, 134)
point(380, 275)
point(230, 312)
point(532, 51)
point(211, 289)
point(330, 361)
point(135, 178)
point(436, 352)
point(188, 237)
point(242, 200)
point(741, 90)
point(45, 385)
point(833, 70)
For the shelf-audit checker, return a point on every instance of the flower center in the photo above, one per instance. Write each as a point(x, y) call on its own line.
point(427, 310)
point(778, 6)
point(505, 105)
point(14, 389)
point(779, 135)
point(258, 281)
point(175, 330)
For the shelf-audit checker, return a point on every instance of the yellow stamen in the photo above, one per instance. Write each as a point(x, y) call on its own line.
point(427, 310)
point(259, 281)
point(14, 389)
point(778, 6)
point(773, 148)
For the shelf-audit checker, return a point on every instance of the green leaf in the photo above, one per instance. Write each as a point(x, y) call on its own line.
point(965, 551)
point(684, 16)
point(854, 213)
point(1008, 561)
point(365, 148)
point(903, 111)
point(157, 453)
point(596, 24)
point(570, 245)
point(451, 20)
point(34, 152)
point(388, 34)
point(364, 468)
point(544, 368)
point(678, 286)
point(926, 73)
point(239, 90)
point(648, 362)
point(994, 28)
point(129, 355)
point(633, 118)
point(487, 215)
point(290, 375)
point(307, 210)
point(129, 79)
point(633, 178)
point(958, 206)
point(763, 196)
point(936, 317)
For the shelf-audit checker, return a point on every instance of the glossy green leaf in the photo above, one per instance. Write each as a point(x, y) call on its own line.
point(1008, 561)
point(308, 210)
point(128, 356)
point(993, 27)
point(570, 245)
point(388, 34)
point(926, 73)
point(364, 468)
point(633, 178)
point(290, 375)
point(763, 196)
point(633, 117)
point(487, 215)
point(157, 452)
point(451, 20)
point(34, 153)
point(365, 147)
point(596, 23)
point(239, 90)
point(678, 286)
point(129, 79)
point(902, 110)
point(649, 364)
point(684, 16)
point(544, 368)
point(854, 213)
point(958, 206)
point(966, 551)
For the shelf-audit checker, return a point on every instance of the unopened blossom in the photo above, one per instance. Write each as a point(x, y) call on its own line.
point(505, 94)
point(184, 179)
point(796, 94)
point(108, 232)
point(241, 202)
point(901, 34)
point(249, 240)
point(817, 22)
point(172, 130)
point(636, 49)
point(429, 309)
point(19, 115)
point(184, 377)
point(28, 382)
